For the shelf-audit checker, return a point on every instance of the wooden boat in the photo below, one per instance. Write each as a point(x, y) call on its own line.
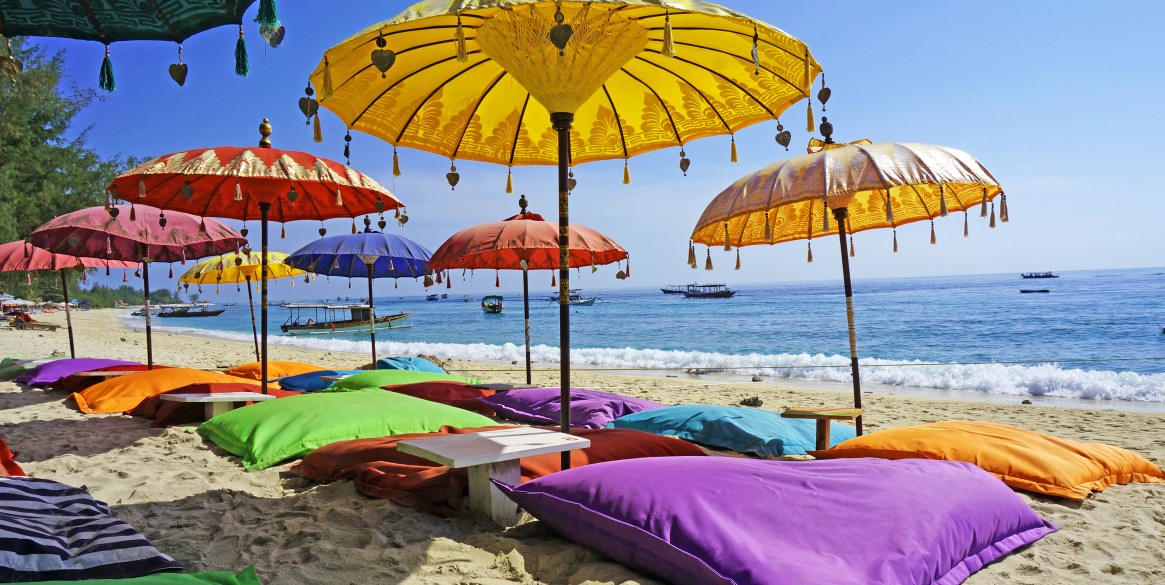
point(1033, 290)
point(326, 319)
point(188, 311)
point(708, 291)
point(491, 303)
point(576, 298)
point(675, 289)
point(1039, 275)
point(432, 297)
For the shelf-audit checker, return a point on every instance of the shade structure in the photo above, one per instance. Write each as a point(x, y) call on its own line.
point(239, 267)
point(523, 242)
point(508, 82)
point(109, 22)
point(844, 189)
point(248, 183)
point(368, 254)
point(141, 234)
point(20, 256)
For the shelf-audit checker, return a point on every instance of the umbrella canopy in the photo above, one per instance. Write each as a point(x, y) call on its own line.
point(142, 234)
point(844, 189)
point(524, 242)
point(507, 82)
point(248, 183)
point(239, 267)
point(108, 22)
point(20, 256)
point(368, 254)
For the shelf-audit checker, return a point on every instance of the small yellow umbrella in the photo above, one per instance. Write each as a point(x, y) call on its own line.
point(862, 186)
point(562, 82)
point(237, 268)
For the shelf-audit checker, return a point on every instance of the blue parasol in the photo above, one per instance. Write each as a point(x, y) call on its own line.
point(369, 254)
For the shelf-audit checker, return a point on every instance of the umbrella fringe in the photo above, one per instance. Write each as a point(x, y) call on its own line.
point(242, 64)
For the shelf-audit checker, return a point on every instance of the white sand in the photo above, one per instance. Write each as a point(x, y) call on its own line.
point(197, 504)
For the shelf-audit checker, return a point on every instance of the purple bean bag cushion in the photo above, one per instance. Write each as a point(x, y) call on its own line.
point(589, 409)
point(725, 520)
point(50, 372)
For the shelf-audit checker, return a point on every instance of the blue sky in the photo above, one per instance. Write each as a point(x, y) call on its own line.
point(1059, 99)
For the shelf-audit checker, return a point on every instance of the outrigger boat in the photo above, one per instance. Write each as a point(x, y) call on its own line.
point(576, 298)
point(1039, 275)
point(308, 319)
point(708, 291)
point(195, 310)
point(491, 303)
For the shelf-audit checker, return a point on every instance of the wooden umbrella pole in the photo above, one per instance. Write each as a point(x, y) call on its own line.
point(251, 304)
point(840, 215)
point(264, 208)
point(526, 314)
point(371, 314)
point(561, 122)
point(149, 334)
point(68, 316)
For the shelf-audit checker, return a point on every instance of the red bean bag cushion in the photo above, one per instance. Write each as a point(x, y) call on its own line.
point(168, 412)
point(380, 471)
point(458, 394)
point(8, 464)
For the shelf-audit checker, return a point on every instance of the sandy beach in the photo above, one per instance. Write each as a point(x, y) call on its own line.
point(196, 503)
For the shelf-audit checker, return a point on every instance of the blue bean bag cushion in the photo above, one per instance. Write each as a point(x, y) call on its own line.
point(408, 363)
point(311, 382)
point(747, 430)
point(736, 521)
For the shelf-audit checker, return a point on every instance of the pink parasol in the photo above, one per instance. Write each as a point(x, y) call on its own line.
point(143, 234)
point(20, 256)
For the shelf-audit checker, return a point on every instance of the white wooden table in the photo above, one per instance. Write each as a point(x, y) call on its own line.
point(218, 402)
point(492, 455)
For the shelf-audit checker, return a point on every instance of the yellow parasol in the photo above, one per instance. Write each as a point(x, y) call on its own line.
point(840, 189)
point(507, 81)
point(236, 268)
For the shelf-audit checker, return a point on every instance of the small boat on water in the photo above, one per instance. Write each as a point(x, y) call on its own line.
point(708, 291)
point(432, 297)
point(324, 319)
point(491, 304)
point(675, 289)
point(198, 310)
point(1034, 290)
point(576, 298)
point(1039, 275)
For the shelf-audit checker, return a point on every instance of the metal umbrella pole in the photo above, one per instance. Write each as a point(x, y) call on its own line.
point(371, 314)
point(146, 310)
point(264, 208)
point(561, 122)
point(526, 314)
point(251, 304)
point(840, 215)
point(68, 315)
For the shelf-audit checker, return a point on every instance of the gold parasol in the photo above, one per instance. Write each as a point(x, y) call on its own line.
point(840, 189)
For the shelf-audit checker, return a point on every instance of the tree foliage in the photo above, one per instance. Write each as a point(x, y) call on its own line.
point(46, 167)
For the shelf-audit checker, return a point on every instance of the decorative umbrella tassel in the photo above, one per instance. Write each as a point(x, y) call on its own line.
point(509, 181)
point(733, 158)
point(552, 283)
point(626, 173)
point(669, 45)
point(895, 241)
point(727, 242)
point(242, 64)
point(497, 279)
point(268, 13)
point(852, 252)
point(983, 207)
point(448, 282)
point(396, 284)
point(738, 258)
point(282, 232)
point(992, 224)
point(326, 88)
point(133, 213)
point(809, 102)
point(125, 276)
point(353, 226)
point(942, 201)
point(317, 134)
point(459, 37)
point(810, 258)
point(933, 239)
point(395, 169)
point(1003, 208)
point(105, 79)
point(171, 271)
point(106, 270)
point(628, 271)
point(438, 277)
point(691, 254)
point(966, 225)
point(708, 260)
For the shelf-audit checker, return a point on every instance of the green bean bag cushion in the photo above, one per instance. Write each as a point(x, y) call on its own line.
point(380, 378)
point(266, 433)
point(245, 577)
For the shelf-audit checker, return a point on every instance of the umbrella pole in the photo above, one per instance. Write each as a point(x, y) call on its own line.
point(526, 313)
point(264, 208)
point(371, 316)
point(561, 122)
point(68, 316)
point(840, 214)
point(251, 304)
point(149, 334)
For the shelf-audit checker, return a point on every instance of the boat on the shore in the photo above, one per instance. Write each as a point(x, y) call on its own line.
point(1039, 275)
point(324, 319)
point(196, 310)
point(708, 291)
point(491, 304)
point(576, 298)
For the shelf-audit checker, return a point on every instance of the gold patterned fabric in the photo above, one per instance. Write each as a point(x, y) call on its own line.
point(627, 96)
point(881, 185)
point(233, 268)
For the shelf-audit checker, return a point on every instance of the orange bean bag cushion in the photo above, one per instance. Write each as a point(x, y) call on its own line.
point(1023, 459)
point(125, 392)
point(380, 471)
point(253, 370)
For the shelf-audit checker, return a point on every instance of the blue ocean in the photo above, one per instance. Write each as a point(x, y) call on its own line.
point(1095, 335)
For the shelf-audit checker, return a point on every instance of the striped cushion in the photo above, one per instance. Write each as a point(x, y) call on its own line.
point(49, 530)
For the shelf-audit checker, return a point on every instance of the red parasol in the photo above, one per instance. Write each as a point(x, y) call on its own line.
point(20, 256)
point(136, 235)
point(255, 183)
point(525, 242)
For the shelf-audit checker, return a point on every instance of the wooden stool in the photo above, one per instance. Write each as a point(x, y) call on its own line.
point(823, 416)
